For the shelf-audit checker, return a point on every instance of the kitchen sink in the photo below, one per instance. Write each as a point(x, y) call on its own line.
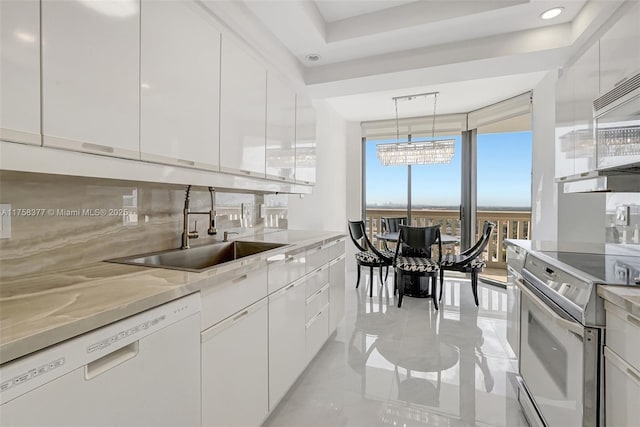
point(199, 258)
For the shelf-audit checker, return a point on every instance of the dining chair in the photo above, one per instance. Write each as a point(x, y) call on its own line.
point(391, 225)
point(413, 258)
point(368, 256)
point(468, 261)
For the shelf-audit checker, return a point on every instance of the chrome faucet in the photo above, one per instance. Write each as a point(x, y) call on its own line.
point(226, 235)
point(186, 234)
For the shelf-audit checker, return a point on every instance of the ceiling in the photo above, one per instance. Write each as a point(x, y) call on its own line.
point(473, 51)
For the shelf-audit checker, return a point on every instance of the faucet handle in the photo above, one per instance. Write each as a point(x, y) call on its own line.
point(194, 233)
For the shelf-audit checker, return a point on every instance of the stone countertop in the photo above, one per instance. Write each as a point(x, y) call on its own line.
point(627, 298)
point(37, 311)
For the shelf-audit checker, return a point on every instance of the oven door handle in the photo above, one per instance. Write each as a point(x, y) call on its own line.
point(571, 326)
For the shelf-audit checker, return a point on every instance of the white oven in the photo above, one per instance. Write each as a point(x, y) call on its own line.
point(559, 363)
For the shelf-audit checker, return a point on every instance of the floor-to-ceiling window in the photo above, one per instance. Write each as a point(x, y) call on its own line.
point(497, 190)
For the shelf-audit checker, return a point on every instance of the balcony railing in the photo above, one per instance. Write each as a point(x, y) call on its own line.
point(510, 225)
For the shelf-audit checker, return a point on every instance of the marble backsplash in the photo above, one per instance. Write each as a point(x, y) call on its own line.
point(56, 222)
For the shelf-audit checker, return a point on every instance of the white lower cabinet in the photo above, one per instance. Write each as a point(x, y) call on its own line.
point(235, 390)
point(622, 388)
point(287, 346)
point(621, 367)
point(336, 292)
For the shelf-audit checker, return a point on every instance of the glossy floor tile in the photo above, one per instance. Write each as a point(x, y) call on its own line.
point(410, 366)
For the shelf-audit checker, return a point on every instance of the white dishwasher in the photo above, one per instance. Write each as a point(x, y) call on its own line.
point(141, 371)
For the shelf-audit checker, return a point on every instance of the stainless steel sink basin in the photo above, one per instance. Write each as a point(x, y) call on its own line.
point(199, 258)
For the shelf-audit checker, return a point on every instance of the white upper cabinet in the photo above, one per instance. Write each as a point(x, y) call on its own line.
point(305, 141)
point(585, 74)
point(281, 128)
point(20, 71)
point(565, 134)
point(620, 49)
point(242, 110)
point(179, 84)
point(90, 76)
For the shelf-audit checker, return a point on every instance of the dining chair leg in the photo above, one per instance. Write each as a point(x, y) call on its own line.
point(474, 286)
point(400, 288)
point(395, 281)
point(371, 282)
point(358, 282)
point(386, 274)
point(441, 282)
point(433, 291)
point(381, 282)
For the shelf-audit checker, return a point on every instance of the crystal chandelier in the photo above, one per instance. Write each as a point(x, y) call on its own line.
point(416, 153)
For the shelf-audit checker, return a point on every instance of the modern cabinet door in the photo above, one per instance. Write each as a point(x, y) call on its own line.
point(287, 316)
point(179, 85)
point(336, 292)
point(585, 74)
point(564, 125)
point(90, 76)
point(242, 110)
point(281, 129)
point(20, 71)
point(305, 141)
point(620, 49)
point(234, 369)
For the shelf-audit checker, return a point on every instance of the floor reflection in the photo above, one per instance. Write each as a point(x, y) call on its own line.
point(410, 366)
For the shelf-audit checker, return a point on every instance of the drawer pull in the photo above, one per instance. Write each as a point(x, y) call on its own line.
point(631, 319)
point(289, 258)
point(316, 316)
point(238, 316)
point(97, 147)
point(315, 249)
point(319, 291)
point(240, 278)
point(289, 287)
point(187, 162)
point(634, 375)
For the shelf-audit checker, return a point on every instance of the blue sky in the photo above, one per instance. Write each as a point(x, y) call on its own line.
point(504, 175)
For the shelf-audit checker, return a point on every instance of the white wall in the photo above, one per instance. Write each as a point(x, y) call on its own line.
point(544, 193)
point(326, 207)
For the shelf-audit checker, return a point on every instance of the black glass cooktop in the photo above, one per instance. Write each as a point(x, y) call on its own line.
point(608, 269)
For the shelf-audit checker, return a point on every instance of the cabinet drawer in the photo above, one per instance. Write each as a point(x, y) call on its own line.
point(622, 385)
point(221, 300)
point(317, 332)
point(623, 334)
point(336, 248)
point(285, 268)
point(317, 301)
point(317, 256)
point(317, 279)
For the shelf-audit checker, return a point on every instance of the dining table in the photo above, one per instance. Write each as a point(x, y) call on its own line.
point(416, 289)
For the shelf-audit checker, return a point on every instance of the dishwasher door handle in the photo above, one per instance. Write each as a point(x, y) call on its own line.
point(110, 361)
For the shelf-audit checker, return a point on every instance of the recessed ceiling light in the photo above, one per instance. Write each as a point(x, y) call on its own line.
point(552, 13)
point(314, 57)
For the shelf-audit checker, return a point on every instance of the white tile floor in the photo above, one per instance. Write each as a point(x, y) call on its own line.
point(410, 366)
